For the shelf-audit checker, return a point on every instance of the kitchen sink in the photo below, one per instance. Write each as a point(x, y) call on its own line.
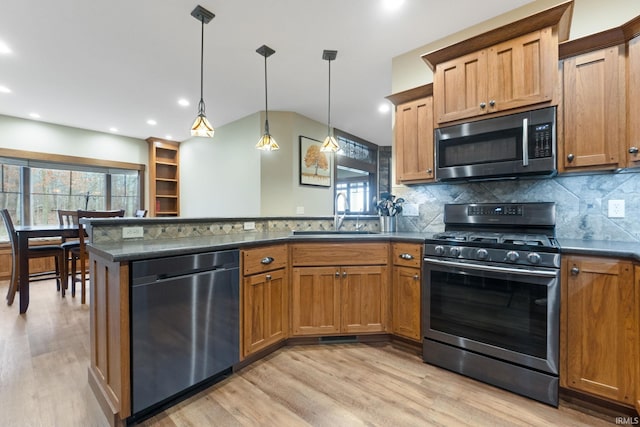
point(332, 232)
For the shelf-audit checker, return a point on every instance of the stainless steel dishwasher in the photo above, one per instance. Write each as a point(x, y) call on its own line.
point(184, 325)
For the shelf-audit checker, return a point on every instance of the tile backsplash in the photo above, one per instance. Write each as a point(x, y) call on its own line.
point(581, 202)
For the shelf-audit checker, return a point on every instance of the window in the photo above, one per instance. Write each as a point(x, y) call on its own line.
point(356, 173)
point(33, 190)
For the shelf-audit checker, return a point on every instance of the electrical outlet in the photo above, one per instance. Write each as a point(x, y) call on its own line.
point(299, 210)
point(616, 209)
point(249, 225)
point(132, 232)
point(410, 209)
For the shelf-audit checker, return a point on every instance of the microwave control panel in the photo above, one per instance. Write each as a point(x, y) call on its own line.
point(540, 140)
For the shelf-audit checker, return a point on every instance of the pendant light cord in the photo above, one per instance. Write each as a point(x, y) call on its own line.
point(266, 99)
point(201, 103)
point(329, 107)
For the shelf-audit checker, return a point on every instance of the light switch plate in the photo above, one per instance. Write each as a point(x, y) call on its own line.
point(132, 232)
point(616, 209)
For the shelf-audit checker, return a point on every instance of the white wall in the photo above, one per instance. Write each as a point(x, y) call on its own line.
point(220, 176)
point(589, 17)
point(32, 135)
point(227, 177)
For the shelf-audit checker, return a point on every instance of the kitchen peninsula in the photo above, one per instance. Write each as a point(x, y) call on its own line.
point(111, 257)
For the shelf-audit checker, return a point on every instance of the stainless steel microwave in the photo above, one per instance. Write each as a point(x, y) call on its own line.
point(502, 147)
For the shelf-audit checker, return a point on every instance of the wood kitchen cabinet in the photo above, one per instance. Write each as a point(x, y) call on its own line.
point(164, 178)
point(516, 73)
point(593, 112)
point(599, 332)
point(406, 290)
point(414, 150)
point(339, 288)
point(265, 296)
point(632, 147)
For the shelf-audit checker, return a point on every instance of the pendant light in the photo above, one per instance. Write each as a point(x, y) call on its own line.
point(201, 126)
point(266, 142)
point(330, 143)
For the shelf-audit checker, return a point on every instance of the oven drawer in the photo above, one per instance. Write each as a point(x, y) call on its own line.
point(407, 254)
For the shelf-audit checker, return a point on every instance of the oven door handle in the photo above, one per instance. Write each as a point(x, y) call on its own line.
point(493, 268)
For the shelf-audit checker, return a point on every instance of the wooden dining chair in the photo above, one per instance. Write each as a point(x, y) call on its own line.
point(71, 247)
point(84, 234)
point(35, 251)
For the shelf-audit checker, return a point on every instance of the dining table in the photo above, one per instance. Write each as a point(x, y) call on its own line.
point(24, 233)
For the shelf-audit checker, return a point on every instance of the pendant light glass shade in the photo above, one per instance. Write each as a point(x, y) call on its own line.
point(266, 142)
point(330, 144)
point(201, 126)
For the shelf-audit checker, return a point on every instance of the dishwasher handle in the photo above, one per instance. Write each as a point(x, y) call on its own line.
point(152, 270)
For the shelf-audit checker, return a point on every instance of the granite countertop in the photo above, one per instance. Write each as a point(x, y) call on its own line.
point(145, 249)
point(601, 248)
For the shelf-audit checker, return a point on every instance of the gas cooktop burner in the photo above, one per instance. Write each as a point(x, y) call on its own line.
point(496, 238)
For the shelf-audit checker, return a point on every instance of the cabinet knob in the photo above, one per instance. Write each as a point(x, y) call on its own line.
point(483, 105)
point(575, 271)
point(429, 171)
point(570, 157)
point(266, 260)
point(344, 274)
point(416, 277)
point(492, 103)
point(633, 150)
point(337, 274)
point(268, 277)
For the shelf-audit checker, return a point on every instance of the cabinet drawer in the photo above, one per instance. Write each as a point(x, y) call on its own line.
point(318, 254)
point(264, 258)
point(406, 254)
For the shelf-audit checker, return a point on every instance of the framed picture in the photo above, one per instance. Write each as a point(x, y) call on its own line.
point(315, 165)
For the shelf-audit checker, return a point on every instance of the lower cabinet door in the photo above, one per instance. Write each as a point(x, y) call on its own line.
point(265, 312)
point(315, 301)
point(365, 299)
point(405, 298)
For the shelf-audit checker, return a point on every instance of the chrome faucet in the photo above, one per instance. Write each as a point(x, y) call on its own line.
point(337, 219)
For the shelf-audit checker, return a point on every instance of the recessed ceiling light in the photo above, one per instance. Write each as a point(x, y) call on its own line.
point(4, 48)
point(183, 102)
point(152, 122)
point(112, 129)
point(384, 108)
point(34, 115)
point(392, 4)
point(4, 89)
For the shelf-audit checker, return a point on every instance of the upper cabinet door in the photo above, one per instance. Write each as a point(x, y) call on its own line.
point(522, 71)
point(414, 141)
point(459, 87)
point(593, 115)
point(633, 103)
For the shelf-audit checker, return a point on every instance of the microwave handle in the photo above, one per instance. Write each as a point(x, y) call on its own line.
point(525, 142)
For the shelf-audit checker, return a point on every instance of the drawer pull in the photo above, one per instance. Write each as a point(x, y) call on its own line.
point(266, 260)
point(406, 256)
point(268, 277)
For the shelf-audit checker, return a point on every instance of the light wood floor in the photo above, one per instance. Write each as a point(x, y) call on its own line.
point(43, 382)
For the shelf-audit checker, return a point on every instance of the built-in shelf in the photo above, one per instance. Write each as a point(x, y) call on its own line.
point(164, 177)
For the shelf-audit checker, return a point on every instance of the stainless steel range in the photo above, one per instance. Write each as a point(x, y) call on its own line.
point(491, 296)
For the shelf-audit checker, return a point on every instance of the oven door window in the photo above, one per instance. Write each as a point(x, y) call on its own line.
point(508, 311)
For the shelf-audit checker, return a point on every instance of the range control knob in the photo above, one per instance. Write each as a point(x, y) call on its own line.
point(439, 250)
point(454, 252)
point(482, 254)
point(534, 258)
point(513, 256)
